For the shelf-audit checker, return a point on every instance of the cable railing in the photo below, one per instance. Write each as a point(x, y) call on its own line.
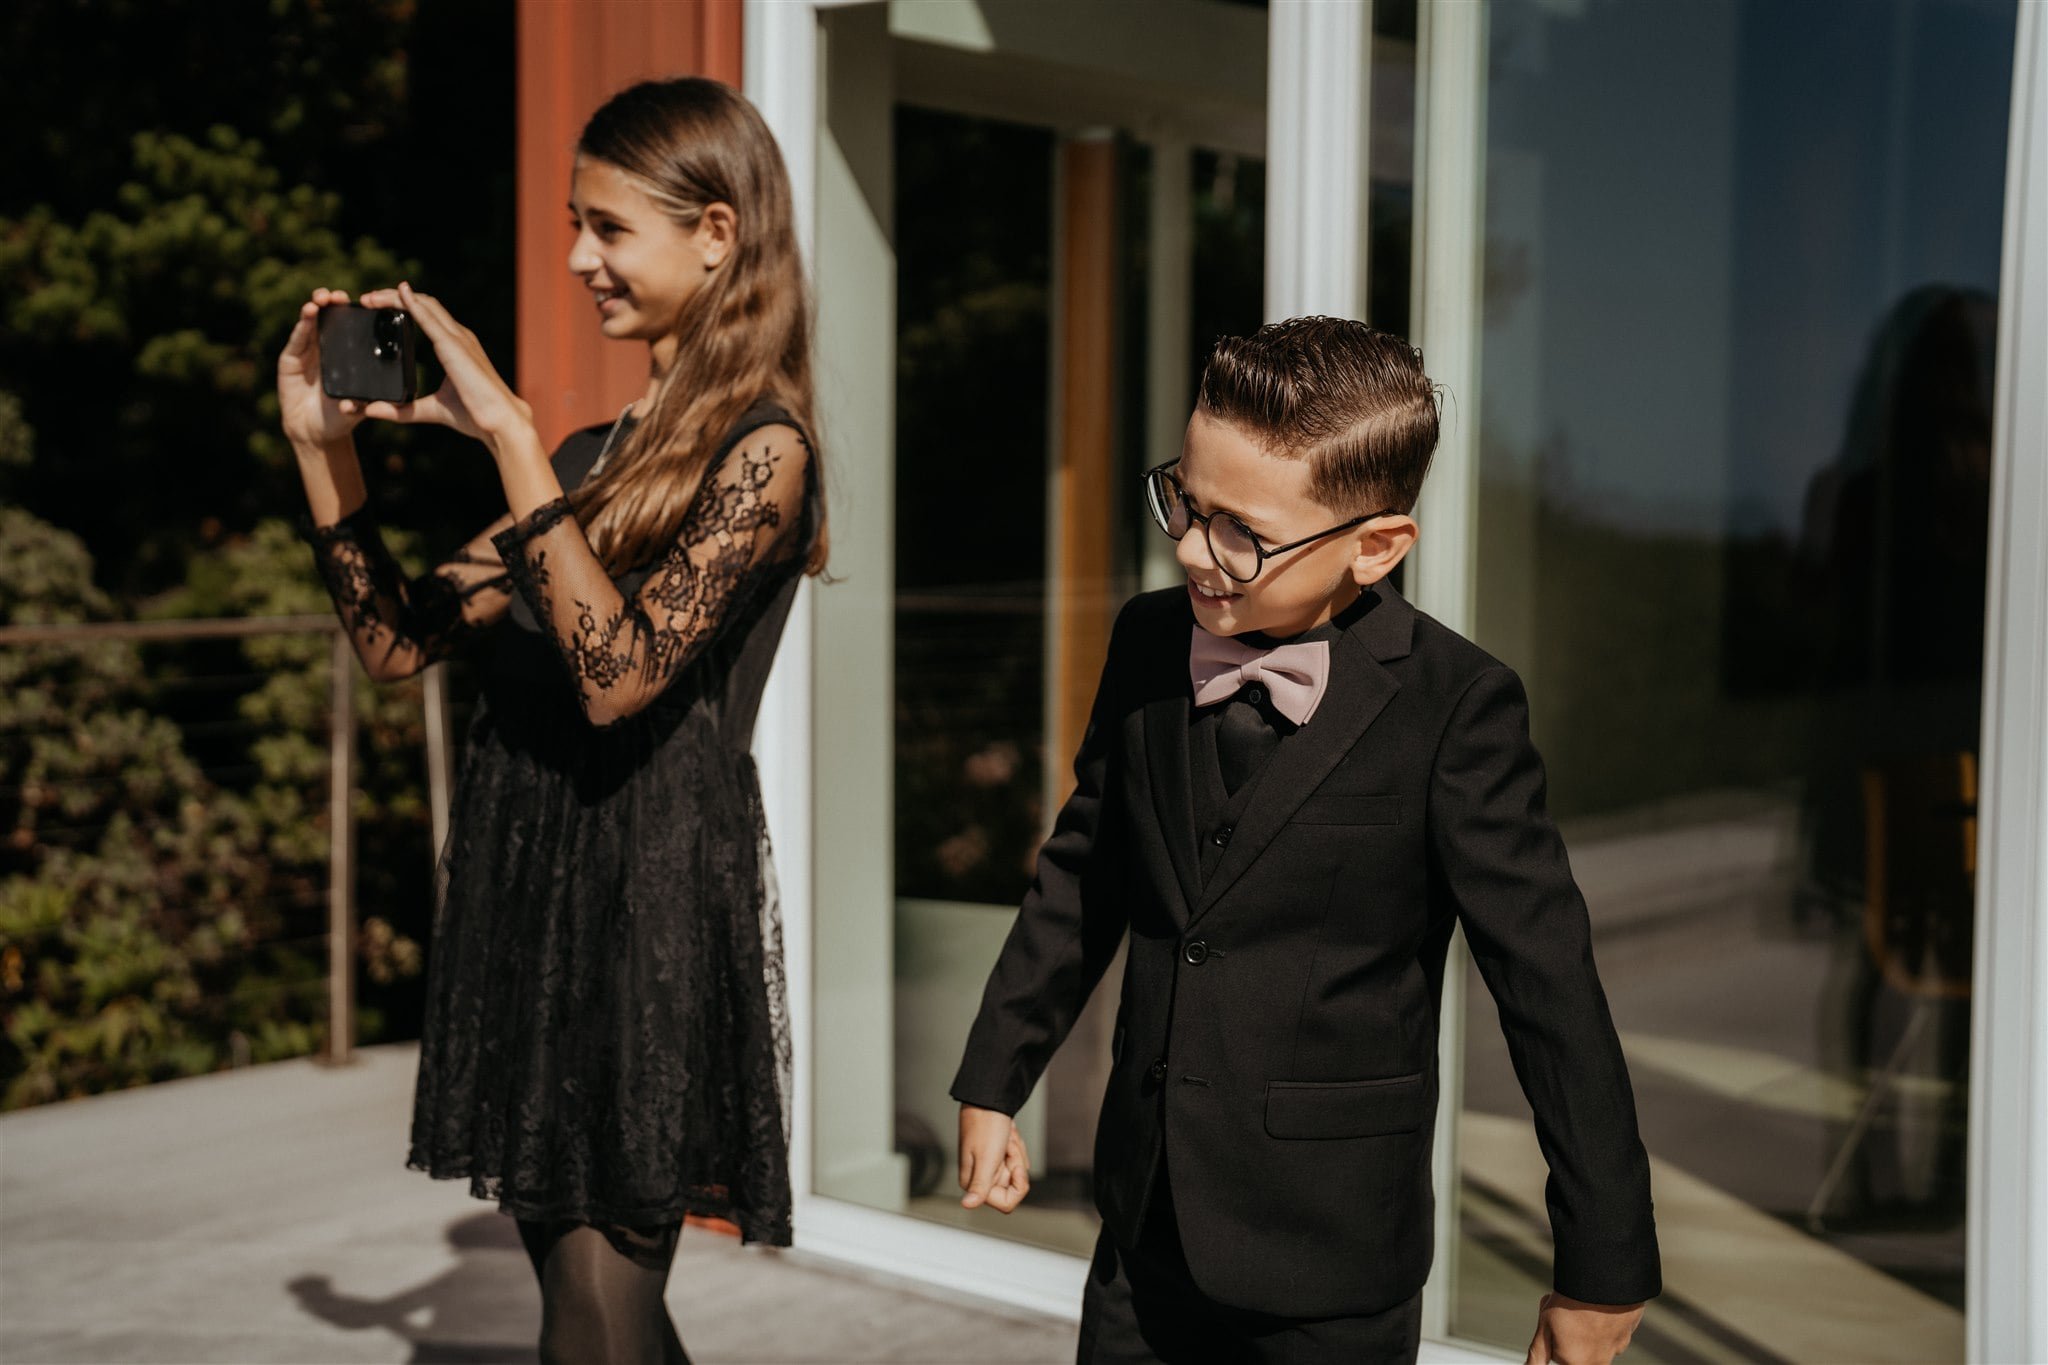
point(341, 931)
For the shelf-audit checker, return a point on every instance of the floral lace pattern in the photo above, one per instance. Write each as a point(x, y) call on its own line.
point(624, 651)
point(606, 1036)
point(400, 624)
point(606, 1027)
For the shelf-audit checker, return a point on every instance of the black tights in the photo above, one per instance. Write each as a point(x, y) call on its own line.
point(600, 1292)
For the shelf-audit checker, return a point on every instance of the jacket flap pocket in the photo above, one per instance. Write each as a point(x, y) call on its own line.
point(1345, 1109)
point(1349, 810)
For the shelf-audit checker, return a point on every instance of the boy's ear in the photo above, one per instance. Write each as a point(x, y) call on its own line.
point(1380, 546)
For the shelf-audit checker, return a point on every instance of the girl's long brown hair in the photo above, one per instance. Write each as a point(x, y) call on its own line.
point(690, 143)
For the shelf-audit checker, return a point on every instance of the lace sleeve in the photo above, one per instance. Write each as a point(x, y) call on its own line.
point(400, 625)
point(622, 652)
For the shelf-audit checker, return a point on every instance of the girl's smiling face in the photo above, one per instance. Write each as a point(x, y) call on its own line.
point(642, 267)
point(1224, 470)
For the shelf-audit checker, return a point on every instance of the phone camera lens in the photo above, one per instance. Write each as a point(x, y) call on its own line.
point(387, 333)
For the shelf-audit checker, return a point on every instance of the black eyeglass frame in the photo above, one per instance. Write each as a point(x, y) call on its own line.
point(1258, 547)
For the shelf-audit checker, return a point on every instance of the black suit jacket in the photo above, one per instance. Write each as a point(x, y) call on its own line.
point(1278, 1028)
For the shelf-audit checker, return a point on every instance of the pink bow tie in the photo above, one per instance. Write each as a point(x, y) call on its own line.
point(1295, 674)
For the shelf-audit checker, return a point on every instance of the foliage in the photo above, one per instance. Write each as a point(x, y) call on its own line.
point(268, 574)
point(146, 915)
point(176, 296)
point(194, 171)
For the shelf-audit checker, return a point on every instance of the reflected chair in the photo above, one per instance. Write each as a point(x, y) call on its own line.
point(1920, 852)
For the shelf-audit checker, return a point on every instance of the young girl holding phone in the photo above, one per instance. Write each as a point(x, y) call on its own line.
point(605, 1045)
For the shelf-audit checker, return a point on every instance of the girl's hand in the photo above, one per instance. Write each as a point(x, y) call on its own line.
point(473, 398)
point(309, 416)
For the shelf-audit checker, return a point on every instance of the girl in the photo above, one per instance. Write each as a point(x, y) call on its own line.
point(605, 1047)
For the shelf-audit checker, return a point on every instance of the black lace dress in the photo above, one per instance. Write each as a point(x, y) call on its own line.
point(606, 1034)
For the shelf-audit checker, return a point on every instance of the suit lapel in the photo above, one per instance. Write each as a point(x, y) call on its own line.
point(1166, 762)
point(1360, 688)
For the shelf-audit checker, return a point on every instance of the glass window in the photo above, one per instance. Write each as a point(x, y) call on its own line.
point(978, 775)
point(1031, 364)
point(1741, 279)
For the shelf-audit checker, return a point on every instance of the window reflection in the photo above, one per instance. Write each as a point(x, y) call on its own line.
point(975, 655)
point(1742, 263)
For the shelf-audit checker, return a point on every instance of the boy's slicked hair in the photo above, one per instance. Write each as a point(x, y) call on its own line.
point(1350, 399)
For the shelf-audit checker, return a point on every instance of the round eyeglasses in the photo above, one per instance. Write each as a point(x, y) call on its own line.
point(1232, 544)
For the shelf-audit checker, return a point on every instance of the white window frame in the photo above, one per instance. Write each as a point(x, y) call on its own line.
point(782, 78)
point(2008, 1198)
point(2006, 1312)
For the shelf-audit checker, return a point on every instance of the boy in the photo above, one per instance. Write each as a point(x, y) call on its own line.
point(1293, 784)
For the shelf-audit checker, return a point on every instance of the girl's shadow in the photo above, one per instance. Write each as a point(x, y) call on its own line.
point(461, 1310)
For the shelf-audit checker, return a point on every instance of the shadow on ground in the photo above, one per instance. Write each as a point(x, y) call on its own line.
point(443, 1318)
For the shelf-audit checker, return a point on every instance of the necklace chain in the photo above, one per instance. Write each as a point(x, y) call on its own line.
point(606, 448)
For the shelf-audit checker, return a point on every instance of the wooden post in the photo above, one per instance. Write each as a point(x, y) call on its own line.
point(341, 853)
point(1084, 579)
point(1084, 453)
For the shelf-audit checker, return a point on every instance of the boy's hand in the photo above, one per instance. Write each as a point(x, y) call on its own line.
point(1572, 1333)
point(994, 1169)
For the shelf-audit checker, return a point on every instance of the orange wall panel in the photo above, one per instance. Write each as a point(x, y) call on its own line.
point(1086, 454)
point(573, 55)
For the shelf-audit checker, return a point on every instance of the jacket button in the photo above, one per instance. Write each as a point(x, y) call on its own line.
point(1221, 836)
point(1197, 951)
point(1158, 1071)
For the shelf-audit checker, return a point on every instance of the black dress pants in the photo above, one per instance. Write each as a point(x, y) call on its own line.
point(1143, 1306)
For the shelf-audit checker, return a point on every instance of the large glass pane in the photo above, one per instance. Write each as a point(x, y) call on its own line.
point(1072, 217)
point(977, 775)
point(973, 297)
point(1740, 287)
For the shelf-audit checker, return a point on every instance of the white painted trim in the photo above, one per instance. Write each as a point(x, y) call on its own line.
point(1448, 274)
point(2007, 1263)
point(1193, 69)
point(988, 1267)
point(983, 1264)
point(1318, 74)
point(781, 78)
point(1459, 1353)
point(1449, 236)
point(781, 48)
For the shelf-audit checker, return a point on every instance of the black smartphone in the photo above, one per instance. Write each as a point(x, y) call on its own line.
point(367, 353)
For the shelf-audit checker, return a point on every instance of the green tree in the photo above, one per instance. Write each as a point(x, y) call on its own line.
point(147, 918)
point(195, 169)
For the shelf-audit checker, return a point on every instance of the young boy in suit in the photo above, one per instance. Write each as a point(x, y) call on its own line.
point(1292, 786)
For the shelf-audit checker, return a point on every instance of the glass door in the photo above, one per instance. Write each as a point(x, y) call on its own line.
point(1037, 227)
point(1736, 336)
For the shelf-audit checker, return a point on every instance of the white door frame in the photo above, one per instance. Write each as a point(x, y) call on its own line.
point(783, 76)
point(2008, 1196)
point(2006, 1310)
point(1306, 254)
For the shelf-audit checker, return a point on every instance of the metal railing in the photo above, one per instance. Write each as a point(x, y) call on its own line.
point(341, 747)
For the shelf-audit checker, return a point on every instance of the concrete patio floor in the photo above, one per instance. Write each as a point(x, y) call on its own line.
point(266, 1217)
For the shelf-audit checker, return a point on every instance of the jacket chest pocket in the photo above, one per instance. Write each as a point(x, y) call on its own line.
point(1348, 810)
